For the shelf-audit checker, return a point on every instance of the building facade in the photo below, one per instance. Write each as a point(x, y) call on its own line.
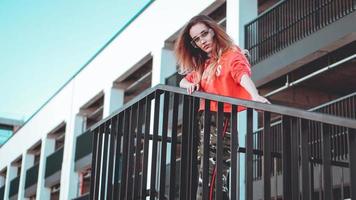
point(302, 55)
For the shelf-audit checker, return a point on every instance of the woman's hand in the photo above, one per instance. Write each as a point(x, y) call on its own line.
point(261, 99)
point(191, 87)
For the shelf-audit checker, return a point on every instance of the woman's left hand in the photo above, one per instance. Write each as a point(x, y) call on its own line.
point(261, 99)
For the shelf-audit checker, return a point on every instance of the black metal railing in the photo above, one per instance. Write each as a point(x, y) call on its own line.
point(342, 107)
point(133, 146)
point(14, 186)
point(2, 192)
point(31, 176)
point(54, 162)
point(290, 21)
point(84, 145)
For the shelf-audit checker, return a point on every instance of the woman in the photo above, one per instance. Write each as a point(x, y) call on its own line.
point(214, 64)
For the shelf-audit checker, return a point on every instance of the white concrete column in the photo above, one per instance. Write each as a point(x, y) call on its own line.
point(11, 174)
point(47, 147)
point(239, 13)
point(164, 65)
point(113, 100)
point(69, 178)
point(2, 181)
point(27, 162)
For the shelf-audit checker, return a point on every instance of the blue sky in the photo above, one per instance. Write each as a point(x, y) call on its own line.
point(44, 43)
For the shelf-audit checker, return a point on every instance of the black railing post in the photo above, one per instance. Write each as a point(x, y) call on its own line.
point(145, 148)
point(162, 181)
point(153, 174)
point(305, 157)
point(124, 177)
point(113, 133)
point(137, 166)
point(267, 155)
point(119, 134)
point(219, 151)
point(172, 184)
point(103, 189)
point(93, 179)
point(234, 149)
point(207, 121)
point(294, 159)
point(326, 161)
point(286, 159)
point(249, 155)
point(184, 149)
point(352, 158)
point(131, 151)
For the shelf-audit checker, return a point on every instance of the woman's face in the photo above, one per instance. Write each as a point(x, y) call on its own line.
point(202, 37)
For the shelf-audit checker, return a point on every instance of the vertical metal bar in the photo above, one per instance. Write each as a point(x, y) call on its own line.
point(94, 161)
point(267, 155)
point(126, 134)
point(104, 165)
point(118, 159)
point(113, 133)
point(154, 145)
point(131, 150)
point(304, 133)
point(219, 151)
point(162, 181)
point(352, 158)
point(184, 153)
point(294, 159)
point(172, 184)
point(98, 162)
point(326, 160)
point(207, 124)
point(286, 159)
point(234, 146)
point(194, 162)
point(138, 167)
point(190, 151)
point(145, 150)
point(249, 155)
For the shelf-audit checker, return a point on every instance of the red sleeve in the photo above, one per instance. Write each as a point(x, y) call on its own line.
point(239, 66)
point(191, 77)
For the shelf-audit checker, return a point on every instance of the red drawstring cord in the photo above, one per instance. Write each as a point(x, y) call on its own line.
point(214, 173)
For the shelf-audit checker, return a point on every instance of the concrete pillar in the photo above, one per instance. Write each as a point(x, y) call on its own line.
point(47, 148)
point(2, 181)
point(164, 65)
point(113, 100)
point(27, 162)
point(11, 174)
point(239, 13)
point(69, 178)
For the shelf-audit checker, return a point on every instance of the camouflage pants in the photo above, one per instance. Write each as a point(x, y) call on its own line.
point(212, 154)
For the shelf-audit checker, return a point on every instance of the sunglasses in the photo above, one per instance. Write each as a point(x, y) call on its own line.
point(194, 42)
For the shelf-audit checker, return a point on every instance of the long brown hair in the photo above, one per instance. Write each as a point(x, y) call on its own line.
point(193, 59)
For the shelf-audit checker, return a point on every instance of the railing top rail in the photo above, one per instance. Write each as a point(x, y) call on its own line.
point(294, 112)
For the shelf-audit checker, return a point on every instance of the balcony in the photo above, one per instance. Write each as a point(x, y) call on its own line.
point(290, 21)
point(146, 126)
point(53, 168)
point(14, 188)
point(83, 150)
point(294, 33)
point(31, 181)
point(2, 192)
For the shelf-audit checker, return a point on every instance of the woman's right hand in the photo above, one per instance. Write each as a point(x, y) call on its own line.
point(192, 87)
